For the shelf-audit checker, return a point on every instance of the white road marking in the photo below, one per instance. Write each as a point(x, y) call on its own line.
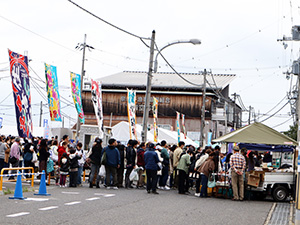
point(99, 194)
point(48, 208)
point(92, 199)
point(109, 195)
point(37, 199)
point(18, 214)
point(70, 193)
point(72, 203)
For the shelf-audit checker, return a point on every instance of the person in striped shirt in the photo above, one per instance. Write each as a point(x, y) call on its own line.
point(237, 165)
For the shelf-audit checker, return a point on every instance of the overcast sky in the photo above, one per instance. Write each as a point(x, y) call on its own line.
point(238, 37)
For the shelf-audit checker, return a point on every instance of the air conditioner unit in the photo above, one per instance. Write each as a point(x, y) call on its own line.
point(296, 33)
point(295, 68)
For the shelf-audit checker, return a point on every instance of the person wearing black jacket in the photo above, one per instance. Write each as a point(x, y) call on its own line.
point(130, 157)
point(43, 156)
point(120, 170)
point(73, 172)
point(95, 160)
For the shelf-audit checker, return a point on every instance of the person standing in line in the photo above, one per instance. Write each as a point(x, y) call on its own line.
point(120, 170)
point(28, 155)
point(64, 169)
point(14, 156)
point(207, 167)
point(95, 160)
point(130, 157)
point(113, 162)
point(176, 156)
point(43, 156)
point(165, 166)
point(3, 148)
point(237, 165)
point(73, 172)
point(183, 169)
point(141, 163)
point(80, 152)
point(151, 160)
point(171, 154)
point(53, 151)
point(198, 164)
point(61, 150)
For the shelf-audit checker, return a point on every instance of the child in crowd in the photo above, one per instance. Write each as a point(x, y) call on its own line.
point(50, 167)
point(64, 169)
point(73, 167)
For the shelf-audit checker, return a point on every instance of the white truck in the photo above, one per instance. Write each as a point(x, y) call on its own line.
point(278, 184)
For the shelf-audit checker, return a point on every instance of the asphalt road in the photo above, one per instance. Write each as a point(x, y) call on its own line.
point(83, 205)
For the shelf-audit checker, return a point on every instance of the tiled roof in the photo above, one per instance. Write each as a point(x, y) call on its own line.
point(167, 80)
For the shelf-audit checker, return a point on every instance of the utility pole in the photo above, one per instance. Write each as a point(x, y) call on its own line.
point(81, 79)
point(41, 113)
point(225, 107)
point(202, 125)
point(249, 119)
point(297, 219)
point(296, 71)
point(148, 90)
point(234, 111)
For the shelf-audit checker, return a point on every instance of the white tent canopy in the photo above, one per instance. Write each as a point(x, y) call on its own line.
point(121, 132)
point(172, 137)
point(12, 130)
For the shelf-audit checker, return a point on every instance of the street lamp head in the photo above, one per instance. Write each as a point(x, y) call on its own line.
point(195, 41)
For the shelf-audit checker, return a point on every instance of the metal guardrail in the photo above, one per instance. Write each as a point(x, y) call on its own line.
point(10, 175)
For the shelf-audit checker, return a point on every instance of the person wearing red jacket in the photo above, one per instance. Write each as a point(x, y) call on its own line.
point(62, 149)
point(141, 163)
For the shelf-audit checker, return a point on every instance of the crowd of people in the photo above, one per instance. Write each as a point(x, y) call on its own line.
point(157, 165)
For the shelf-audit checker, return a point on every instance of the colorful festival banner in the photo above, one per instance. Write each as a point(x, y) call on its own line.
point(177, 124)
point(155, 109)
point(183, 125)
point(76, 95)
point(209, 138)
point(131, 99)
point(21, 88)
point(52, 92)
point(97, 102)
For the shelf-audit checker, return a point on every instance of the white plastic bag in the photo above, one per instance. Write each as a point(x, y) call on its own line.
point(102, 171)
point(134, 175)
point(34, 157)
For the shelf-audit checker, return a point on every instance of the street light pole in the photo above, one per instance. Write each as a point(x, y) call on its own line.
point(191, 41)
point(149, 79)
point(203, 110)
point(148, 90)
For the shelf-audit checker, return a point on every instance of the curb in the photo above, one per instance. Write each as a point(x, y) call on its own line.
point(267, 221)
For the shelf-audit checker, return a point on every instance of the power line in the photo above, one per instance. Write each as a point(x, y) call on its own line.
point(6, 97)
point(127, 32)
point(272, 108)
point(275, 112)
point(54, 42)
point(282, 123)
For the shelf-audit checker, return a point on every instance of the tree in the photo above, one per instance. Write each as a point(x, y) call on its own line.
point(292, 132)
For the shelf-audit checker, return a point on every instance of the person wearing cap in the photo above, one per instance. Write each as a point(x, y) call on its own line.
point(151, 160)
point(237, 164)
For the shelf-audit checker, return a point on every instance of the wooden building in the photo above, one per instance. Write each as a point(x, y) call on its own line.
point(174, 94)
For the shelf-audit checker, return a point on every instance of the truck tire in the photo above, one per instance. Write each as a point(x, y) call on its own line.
point(280, 193)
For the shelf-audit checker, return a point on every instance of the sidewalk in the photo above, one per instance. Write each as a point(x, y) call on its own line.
point(281, 213)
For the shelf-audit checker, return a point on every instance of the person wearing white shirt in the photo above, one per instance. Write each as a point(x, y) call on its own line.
point(80, 152)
